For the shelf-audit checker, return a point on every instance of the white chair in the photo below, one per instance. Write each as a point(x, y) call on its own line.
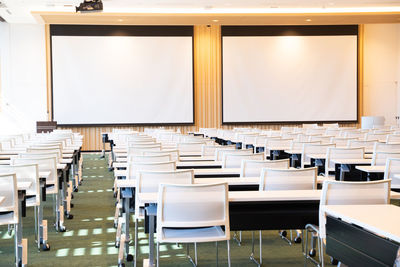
point(139, 149)
point(193, 214)
point(174, 153)
point(149, 158)
point(276, 144)
point(342, 141)
point(133, 167)
point(284, 179)
point(341, 153)
point(209, 150)
point(148, 182)
point(379, 158)
point(381, 137)
point(345, 193)
point(392, 171)
point(384, 147)
point(393, 138)
point(312, 149)
point(219, 153)
point(9, 206)
point(235, 160)
point(252, 168)
point(190, 147)
point(367, 145)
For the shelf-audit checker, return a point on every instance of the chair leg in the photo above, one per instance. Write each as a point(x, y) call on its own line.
point(195, 253)
point(136, 242)
point(158, 254)
point(229, 252)
point(252, 258)
point(238, 239)
point(216, 245)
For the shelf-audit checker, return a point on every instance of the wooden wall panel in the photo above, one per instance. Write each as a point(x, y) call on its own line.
point(207, 90)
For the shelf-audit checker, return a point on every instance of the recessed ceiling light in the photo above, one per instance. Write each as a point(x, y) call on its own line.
point(308, 20)
point(215, 20)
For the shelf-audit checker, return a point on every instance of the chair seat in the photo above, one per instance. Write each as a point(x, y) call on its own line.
point(190, 235)
point(7, 218)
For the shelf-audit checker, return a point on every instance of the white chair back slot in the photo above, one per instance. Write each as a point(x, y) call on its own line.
point(26, 173)
point(149, 181)
point(149, 158)
point(352, 193)
point(298, 145)
point(313, 149)
point(209, 150)
point(381, 137)
point(323, 139)
point(342, 141)
point(368, 145)
point(383, 147)
point(393, 138)
point(133, 167)
point(379, 158)
point(174, 153)
point(139, 149)
point(288, 179)
point(8, 189)
point(252, 168)
point(273, 143)
point(221, 149)
point(332, 132)
point(341, 153)
point(187, 206)
point(234, 160)
point(194, 147)
point(392, 171)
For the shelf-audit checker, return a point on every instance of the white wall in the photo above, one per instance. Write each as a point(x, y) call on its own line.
point(23, 75)
point(382, 71)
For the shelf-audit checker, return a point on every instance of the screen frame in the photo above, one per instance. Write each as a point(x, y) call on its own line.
point(291, 30)
point(121, 30)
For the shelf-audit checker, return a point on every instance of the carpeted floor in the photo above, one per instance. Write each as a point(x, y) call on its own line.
point(90, 236)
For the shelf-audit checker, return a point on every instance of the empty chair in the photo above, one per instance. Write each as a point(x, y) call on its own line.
point(310, 125)
point(139, 149)
point(174, 153)
point(220, 152)
point(332, 132)
point(330, 125)
point(346, 193)
point(319, 131)
point(235, 160)
point(384, 147)
point(353, 134)
point(206, 219)
point(252, 168)
point(323, 139)
point(393, 138)
point(313, 149)
point(133, 167)
point(149, 158)
point(381, 137)
point(367, 145)
point(209, 150)
point(342, 141)
point(379, 158)
point(341, 153)
point(9, 206)
point(392, 171)
point(190, 147)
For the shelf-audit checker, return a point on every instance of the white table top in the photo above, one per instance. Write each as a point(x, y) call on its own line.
point(293, 151)
point(383, 220)
point(247, 196)
point(202, 158)
point(2, 199)
point(24, 185)
point(67, 155)
point(44, 174)
point(371, 169)
point(351, 161)
point(218, 171)
point(66, 161)
point(61, 166)
point(179, 164)
point(5, 162)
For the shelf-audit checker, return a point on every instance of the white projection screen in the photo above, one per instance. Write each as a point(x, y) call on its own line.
point(133, 75)
point(289, 74)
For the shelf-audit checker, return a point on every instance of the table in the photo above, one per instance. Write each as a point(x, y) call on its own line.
point(371, 172)
point(363, 235)
point(343, 166)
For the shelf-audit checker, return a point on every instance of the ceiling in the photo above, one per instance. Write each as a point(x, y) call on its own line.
point(19, 11)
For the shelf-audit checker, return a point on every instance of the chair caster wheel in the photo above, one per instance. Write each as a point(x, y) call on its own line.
point(334, 261)
point(297, 240)
point(45, 247)
point(312, 253)
point(129, 257)
point(283, 233)
point(72, 205)
point(121, 264)
point(62, 229)
point(70, 216)
point(76, 189)
point(116, 244)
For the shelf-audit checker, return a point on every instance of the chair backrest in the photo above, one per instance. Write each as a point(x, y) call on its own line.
point(341, 153)
point(190, 147)
point(323, 139)
point(139, 149)
point(392, 171)
point(332, 132)
point(313, 149)
point(381, 137)
point(288, 179)
point(9, 190)
point(352, 193)
point(41, 154)
point(26, 173)
point(219, 153)
point(367, 145)
point(298, 145)
point(133, 167)
point(209, 150)
point(275, 143)
point(188, 206)
point(320, 131)
point(149, 158)
point(235, 160)
point(252, 168)
point(174, 153)
point(342, 141)
point(45, 164)
point(383, 147)
point(148, 181)
point(393, 138)
point(379, 158)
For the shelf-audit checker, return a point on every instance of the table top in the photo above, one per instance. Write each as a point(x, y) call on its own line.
point(217, 172)
point(186, 164)
point(380, 219)
point(61, 166)
point(44, 174)
point(66, 161)
point(24, 185)
point(371, 169)
point(351, 161)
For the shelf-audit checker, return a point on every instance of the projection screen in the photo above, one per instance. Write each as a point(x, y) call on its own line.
point(289, 74)
point(134, 75)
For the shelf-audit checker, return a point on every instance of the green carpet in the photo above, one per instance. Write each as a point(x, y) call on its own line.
point(90, 236)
